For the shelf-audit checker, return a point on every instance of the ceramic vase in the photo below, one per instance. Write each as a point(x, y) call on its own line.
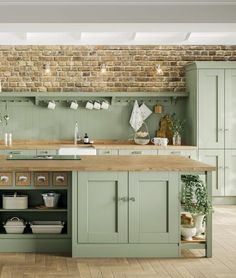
point(176, 139)
point(198, 223)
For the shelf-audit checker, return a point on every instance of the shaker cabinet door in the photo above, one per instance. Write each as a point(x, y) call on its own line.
point(230, 173)
point(153, 207)
point(215, 158)
point(230, 108)
point(102, 207)
point(211, 108)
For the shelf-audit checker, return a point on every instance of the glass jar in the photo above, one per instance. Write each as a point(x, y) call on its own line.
point(141, 136)
point(176, 139)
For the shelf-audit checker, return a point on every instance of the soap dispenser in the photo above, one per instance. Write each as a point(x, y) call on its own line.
point(86, 139)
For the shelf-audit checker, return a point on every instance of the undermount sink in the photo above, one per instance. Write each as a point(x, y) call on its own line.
point(77, 151)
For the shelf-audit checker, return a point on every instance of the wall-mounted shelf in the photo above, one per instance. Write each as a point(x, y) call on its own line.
point(116, 97)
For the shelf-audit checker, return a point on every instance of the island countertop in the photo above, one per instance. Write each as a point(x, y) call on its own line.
point(108, 163)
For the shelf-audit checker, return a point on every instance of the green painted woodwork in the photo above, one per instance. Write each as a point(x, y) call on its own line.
point(215, 158)
point(211, 105)
point(230, 170)
point(125, 214)
point(39, 245)
point(29, 242)
point(36, 122)
point(230, 108)
point(102, 217)
point(153, 216)
point(127, 250)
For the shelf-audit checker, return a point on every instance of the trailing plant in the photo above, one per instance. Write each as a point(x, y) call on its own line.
point(195, 197)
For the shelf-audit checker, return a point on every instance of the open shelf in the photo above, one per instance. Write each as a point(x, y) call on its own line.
point(35, 210)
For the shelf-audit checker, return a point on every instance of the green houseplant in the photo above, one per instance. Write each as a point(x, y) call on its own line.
point(196, 200)
point(177, 127)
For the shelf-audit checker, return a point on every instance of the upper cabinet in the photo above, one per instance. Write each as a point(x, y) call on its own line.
point(212, 100)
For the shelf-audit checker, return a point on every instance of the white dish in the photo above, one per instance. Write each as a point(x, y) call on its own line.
point(46, 227)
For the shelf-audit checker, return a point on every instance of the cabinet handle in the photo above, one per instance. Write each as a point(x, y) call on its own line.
point(15, 152)
point(221, 129)
point(226, 129)
point(4, 178)
point(23, 178)
point(41, 178)
point(220, 167)
point(176, 152)
point(107, 152)
point(44, 152)
point(136, 152)
point(124, 199)
point(60, 178)
point(226, 167)
point(132, 199)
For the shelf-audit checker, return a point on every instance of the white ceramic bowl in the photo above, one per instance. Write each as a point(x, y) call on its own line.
point(188, 231)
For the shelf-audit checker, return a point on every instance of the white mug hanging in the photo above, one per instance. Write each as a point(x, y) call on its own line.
point(96, 105)
point(51, 105)
point(74, 105)
point(89, 105)
point(105, 105)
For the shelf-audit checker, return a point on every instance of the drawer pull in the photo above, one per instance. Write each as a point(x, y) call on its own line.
point(176, 152)
point(41, 178)
point(23, 178)
point(14, 152)
point(136, 152)
point(4, 178)
point(132, 199)
point(107, 152)
point(60, 178)
point(44, 152)
point(124, 199)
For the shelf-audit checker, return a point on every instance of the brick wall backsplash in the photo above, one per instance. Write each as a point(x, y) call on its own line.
point(77, 68)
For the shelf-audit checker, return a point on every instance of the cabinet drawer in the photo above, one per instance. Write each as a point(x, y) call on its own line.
point(46, 152)
point(22, 179)
point(187, 153)
point(107, 152)
point(60, 179)
point(5, 179)
point(137, 152)
point(41, 179)
point(21, 152)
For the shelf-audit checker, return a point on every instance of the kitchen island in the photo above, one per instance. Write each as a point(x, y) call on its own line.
point(113, 206)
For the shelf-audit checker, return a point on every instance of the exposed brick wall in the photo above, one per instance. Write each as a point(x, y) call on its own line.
point(77, 68)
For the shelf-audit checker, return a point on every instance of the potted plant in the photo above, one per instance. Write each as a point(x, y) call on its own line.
point(177, 126)
point(196, 200)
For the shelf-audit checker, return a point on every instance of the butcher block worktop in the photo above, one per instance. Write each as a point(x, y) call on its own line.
point(98, 144)
point(108, 163)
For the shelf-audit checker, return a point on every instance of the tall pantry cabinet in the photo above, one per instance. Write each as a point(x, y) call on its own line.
point(212, 120)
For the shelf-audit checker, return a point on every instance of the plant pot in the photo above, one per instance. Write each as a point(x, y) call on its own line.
point(188, 231)
point(176, 139)
point(198, 224)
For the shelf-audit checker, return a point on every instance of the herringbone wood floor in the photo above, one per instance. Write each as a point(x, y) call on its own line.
point(222, 265)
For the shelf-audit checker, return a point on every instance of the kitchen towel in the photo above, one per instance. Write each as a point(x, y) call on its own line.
point(145, 111)
point(136, 119)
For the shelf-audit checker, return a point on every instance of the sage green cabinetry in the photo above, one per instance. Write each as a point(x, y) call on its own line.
point(215, 158)
point(101, 213)
point(211, 116)
point(126, 214)
point(153, 208)
point(18, 152)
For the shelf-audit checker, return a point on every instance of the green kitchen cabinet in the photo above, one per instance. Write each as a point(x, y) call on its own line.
point(215, 158)
point(153, 207)
point(230, 173)
point(224, 178)
point(230, 109)
point(126, 214)
point(102, 207)
point(211, 108)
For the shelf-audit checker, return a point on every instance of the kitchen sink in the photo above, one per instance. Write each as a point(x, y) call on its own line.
point(77, 151)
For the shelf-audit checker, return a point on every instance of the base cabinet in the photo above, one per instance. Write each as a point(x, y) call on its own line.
point(126, 214)
point(224, 178)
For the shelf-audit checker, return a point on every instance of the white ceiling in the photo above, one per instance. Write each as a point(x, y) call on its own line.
point(124, 22)
point(118, 38)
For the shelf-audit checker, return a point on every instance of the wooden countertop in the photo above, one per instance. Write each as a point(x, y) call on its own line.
point(108, 163)
point(98, 144)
